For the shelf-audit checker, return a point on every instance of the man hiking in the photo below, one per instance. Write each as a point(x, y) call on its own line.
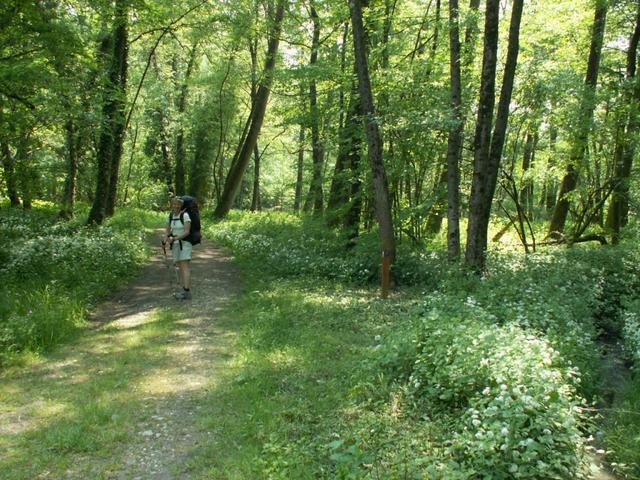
point(177, 230)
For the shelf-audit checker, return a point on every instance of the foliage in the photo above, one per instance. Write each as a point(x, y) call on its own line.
point(285, 245)
point(53, 270)
point(483, 376)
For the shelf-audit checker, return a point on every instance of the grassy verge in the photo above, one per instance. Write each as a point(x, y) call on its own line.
point(462, 378)
point(77, 411)
point(54, 270)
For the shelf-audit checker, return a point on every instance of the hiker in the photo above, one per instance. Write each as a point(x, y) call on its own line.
point(177, 229)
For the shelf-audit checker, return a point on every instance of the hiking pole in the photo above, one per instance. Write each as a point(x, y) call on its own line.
point(166, 262)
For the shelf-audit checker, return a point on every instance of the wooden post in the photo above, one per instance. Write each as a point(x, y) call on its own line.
point(386, 269)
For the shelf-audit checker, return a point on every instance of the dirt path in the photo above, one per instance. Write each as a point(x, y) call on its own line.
point(166, 380)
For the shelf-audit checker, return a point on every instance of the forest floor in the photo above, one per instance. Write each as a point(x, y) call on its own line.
point(143, 373)
point(127, 399)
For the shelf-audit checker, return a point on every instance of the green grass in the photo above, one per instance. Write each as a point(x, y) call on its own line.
point(53, 271)
point(82, 402)
point(291, 398)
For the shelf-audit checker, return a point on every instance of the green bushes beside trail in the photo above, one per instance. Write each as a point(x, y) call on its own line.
point(456, 377)
point(53, 271)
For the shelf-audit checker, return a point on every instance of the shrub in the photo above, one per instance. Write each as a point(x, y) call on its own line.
point(515, 399)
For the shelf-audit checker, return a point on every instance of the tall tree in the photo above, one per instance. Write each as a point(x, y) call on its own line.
point(374, 140)
point(488, 146)
point(317, 151)
point(113, 121)
point(624, 151)
point(236, 172)
point(454, 141)
point(583, 122)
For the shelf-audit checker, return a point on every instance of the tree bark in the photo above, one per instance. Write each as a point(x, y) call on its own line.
point(315, 188)
point(69, 195)
point(454, 140)
point(8, 164)
point(487, 146)
point(625, 148)
point(236, 173)
point(121, 53)
point(434, 223)
point(585, 117)
point(180, 151)
point(113, 121)
point(299, 170)
point(256, 204)
point(381, 189)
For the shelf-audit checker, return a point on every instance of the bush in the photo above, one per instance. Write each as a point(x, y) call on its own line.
point(514, 397)
point(54, 270)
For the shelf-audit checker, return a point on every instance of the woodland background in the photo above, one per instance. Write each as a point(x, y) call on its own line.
point(469, 143)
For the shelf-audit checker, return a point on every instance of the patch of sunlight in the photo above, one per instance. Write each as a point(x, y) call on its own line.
point(166, 382)
point(284, 357)
point(29, 416)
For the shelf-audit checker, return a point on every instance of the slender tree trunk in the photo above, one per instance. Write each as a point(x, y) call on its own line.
point(180, 151)
point(121, 52)
point(315, 188)
point(130, 169)
point(105, 145)
point(113, 120)
point(255, 198)
point(550, 185)
point(434, 223)
point(454, 141)
point(69, 195)
point(528, 158)
point(348, 147)
point(236, 173)
point(488, 147)
point(299, 170)
point(624, 152)
point(8, 164)
point(381, 189)
point(585, 117)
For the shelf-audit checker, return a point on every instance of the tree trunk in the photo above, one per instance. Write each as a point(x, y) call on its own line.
point(585, 117)
point(69, 195)
point(255, 198)
point(236, 173)
point(550, 184)
point(105, 145)
point(299, 170)
point(8, 164)
point(180, 152)
point(120, 53)
point(112, 129)
point(488, 147)
point(315, 188)
point(381, 189)
point(454, 140)
point(348, 147)
point(526, 188)
point(434, 223)
point(624, 152)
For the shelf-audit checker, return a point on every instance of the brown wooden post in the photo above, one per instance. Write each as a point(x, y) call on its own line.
point(386, 273)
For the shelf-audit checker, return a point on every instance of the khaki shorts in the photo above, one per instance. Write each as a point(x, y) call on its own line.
point(180, 255)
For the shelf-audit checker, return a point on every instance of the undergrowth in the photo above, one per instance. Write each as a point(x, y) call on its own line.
point(455, 377)
point(54, 270)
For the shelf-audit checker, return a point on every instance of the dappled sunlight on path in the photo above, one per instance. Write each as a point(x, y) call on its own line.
point(121, 401)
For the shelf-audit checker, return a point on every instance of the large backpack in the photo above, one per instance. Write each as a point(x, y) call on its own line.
point(190, 205)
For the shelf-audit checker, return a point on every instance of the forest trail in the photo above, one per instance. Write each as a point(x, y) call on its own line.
point(162, 356)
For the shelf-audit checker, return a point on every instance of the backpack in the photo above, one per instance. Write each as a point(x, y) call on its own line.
point(190, 206)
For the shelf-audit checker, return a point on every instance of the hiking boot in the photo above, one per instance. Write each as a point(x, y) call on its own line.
point(183, 295)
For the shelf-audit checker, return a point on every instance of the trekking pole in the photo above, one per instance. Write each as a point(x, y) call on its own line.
point(166, 262)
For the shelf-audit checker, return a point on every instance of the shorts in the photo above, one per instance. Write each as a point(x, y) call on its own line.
point(180, 255)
